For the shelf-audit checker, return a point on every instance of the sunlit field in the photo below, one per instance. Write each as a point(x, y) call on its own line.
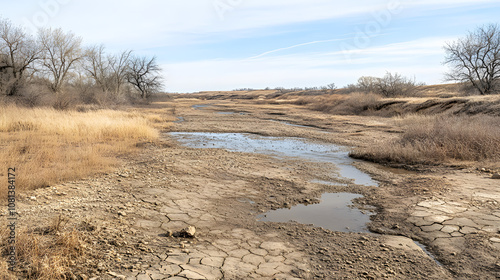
point(47, 146)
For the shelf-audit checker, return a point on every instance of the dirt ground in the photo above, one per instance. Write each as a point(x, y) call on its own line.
point(132, 214)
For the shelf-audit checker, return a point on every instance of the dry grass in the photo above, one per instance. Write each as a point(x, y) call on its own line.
point(435, 139)
point(44, 253)
point(341, 104)
point(48, 146)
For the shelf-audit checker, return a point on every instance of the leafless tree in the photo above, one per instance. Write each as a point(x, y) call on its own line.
point(96, 66)
point(60, 52)
point(331, 86)
point(475, 59)
point(368, 83)
point(119, 64)
point(108, 71)
point(18, 52)
point(144, 75)
point(396, 85)
point(391, 85)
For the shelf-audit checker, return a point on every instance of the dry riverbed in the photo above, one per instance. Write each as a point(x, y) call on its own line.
point(133, 216)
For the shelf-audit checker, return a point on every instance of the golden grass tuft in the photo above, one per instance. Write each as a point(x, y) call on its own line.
point(44, 255)
point(440, 138)
point(48, 146)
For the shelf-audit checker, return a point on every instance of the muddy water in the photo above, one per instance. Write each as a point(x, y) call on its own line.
point(281, 147)
point(335, 210)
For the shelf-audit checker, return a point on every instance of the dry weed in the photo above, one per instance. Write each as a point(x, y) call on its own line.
point(341, 104)
point(433, 139)
point(44, 255)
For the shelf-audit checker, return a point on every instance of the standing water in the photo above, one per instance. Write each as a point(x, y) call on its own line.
point(335, 211)
point(281, 147)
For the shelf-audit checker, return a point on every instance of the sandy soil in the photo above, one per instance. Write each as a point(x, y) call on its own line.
point(133, 213)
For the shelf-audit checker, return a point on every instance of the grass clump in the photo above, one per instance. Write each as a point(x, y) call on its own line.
point(44, 253)
point(435, 139)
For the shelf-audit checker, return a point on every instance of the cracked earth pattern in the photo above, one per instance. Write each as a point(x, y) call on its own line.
point(445, 221)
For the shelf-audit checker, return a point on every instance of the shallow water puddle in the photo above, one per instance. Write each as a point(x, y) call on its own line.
point(335, 212)
point(281, 147)
point(201, 106)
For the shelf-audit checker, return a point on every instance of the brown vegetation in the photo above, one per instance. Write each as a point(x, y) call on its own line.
point(434, 139)
point(45, 253)
point(48, 146)
point(351, 104)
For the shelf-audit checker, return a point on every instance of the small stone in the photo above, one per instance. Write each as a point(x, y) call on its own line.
point(496, 176)
point(188, 232)
point(495, 240)
point(121, 213)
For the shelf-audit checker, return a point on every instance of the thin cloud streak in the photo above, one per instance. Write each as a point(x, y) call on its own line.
point(294, 46)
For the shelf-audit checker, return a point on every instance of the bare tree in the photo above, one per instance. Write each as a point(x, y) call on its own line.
point(144, 75)
point(390, 85)
point(396, 85)
point(61, 51)
point(331, 86)
point(109, 72)
point(97, 67)
point(368, 83)
point(475, 59)
point(18, 52)
point(119, 65)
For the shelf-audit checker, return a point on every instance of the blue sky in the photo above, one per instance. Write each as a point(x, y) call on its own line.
point(228, 44)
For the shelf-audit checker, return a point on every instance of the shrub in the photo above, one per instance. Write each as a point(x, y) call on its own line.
point(391, 85)
point(431, 139)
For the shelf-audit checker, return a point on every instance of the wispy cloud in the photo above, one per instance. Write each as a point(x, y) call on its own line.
point(294, 46)
point(177, 22)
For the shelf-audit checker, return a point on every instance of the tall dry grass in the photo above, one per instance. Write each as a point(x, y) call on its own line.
point(47, 146)
point(434, 139)
point(44, 253)
point(355, 103)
